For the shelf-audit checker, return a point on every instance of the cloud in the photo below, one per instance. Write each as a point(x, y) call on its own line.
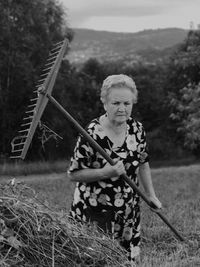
point(124, 11)
point(115, 8)
point(107, 14)
point(80, 11)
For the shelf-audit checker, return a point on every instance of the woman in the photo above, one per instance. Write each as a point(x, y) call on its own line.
point(101, 195)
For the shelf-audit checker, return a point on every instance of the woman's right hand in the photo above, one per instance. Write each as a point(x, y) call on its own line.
point(114, 170)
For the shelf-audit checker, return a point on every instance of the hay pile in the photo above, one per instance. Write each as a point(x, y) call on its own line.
point(31, 234)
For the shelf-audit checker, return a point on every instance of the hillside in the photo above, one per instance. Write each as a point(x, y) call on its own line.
point(146, 45)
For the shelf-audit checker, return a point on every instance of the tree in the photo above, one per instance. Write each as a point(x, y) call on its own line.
point(187, 111)
point(28, 30)
point(184, 66)
point(184, 90)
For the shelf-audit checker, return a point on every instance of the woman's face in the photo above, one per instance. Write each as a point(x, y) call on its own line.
point(119, 105)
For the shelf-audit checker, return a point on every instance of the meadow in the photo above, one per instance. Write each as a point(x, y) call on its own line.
point(179, 190)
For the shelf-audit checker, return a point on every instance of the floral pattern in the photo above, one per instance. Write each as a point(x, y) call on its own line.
point(114, 193)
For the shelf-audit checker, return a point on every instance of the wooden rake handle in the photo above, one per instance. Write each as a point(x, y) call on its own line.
point(98, 148)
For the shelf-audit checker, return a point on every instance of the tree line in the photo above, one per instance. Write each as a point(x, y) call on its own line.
point(169, 91)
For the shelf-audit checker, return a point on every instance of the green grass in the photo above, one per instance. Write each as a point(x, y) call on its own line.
point(179, 190)
point(42, 167)
point(39, 167)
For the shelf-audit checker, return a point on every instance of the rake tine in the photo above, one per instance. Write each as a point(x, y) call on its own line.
point(30, 111)
point(25, 124)
point(54, 53)
point(41, 80)
point(32, 105)
point(48, 64)
point(28, 118)
point(34, 99)
point(52, 58)
point(23, 131)
point(15, 157)
point(55, 49)
point(43, 74)
point(18, 150)
point(46, 69)
point(59, 43)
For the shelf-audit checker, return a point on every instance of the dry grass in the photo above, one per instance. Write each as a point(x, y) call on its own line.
point(32, 234)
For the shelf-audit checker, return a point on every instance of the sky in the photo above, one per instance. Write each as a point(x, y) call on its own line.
point(132, 15)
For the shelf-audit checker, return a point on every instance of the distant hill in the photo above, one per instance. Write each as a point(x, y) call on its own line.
point(148, 45)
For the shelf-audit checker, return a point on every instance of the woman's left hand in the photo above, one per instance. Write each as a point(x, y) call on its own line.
point(155, 201)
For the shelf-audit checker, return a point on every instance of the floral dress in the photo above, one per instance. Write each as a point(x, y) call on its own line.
point(111, 194)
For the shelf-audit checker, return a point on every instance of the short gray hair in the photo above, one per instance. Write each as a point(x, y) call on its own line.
point(118, 80)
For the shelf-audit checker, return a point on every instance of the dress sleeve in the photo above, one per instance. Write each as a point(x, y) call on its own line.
point(143, 148)
point(82, 156)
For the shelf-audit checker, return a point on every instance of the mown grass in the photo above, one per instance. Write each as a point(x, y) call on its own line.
point(179, 190)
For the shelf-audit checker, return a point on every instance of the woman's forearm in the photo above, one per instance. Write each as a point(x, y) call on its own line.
point(146, 180)
point(88, 175)
point(92, 175)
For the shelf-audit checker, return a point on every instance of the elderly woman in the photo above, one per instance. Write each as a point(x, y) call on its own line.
point(100, 195)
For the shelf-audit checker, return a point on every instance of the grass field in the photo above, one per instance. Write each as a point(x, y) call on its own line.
point(179, 190)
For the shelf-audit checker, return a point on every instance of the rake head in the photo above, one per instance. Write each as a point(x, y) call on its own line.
point(21, 143)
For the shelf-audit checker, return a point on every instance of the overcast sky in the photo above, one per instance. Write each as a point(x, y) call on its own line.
point(132, 15)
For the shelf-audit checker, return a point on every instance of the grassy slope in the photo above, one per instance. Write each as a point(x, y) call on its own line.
point(179, 190)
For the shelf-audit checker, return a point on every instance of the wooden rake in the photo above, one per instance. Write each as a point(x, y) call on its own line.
point(44, 94)
point(21, 143)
